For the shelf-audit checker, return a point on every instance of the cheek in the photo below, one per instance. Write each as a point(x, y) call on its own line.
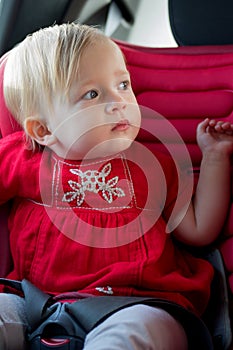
point(78, 127)
point(94, 136)
point(134, 114)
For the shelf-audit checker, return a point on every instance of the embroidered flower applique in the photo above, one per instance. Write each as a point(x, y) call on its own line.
point(93, 181)
point(105, 290)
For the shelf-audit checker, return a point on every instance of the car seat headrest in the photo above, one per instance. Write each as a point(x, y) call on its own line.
point(198, 22)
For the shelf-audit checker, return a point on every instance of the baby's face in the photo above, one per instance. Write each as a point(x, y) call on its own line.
point(102, 116)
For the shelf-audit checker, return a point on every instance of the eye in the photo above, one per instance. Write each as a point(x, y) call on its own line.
point(90, 95)
point(124, 85)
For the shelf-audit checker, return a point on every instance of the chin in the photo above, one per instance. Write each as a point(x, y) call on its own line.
point(118, 146)
point(109, 148)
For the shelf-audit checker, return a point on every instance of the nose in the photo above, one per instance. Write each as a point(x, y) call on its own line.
point(115, 104)
point(113, 107)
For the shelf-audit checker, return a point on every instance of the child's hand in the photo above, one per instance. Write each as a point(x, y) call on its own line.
point(215, 136)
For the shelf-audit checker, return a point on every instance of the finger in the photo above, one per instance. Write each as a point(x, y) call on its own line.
point(223, 127)
point(202, 126)
point(219, 126)
point(212, 122)
point(227, 126)
point(213, 126)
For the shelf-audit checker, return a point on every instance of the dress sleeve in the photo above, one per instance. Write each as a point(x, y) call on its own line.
point(11, 149)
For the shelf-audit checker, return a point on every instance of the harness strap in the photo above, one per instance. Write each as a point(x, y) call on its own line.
point(36, 300)
point(91, 311)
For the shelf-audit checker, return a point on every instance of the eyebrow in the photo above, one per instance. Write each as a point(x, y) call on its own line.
point(122, 72)
point(116, 73)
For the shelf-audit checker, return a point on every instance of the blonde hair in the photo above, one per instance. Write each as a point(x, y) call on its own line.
point(43, 64)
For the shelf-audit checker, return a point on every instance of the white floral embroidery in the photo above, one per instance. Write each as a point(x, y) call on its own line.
point(93, 181)
point(106, 290)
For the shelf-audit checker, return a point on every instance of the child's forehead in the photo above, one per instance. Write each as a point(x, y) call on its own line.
point(102, 49)
point(102, 55)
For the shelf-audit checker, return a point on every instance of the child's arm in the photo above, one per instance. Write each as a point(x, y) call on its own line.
point(207, 212)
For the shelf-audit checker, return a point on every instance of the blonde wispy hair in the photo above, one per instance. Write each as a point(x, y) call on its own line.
point(43, 64)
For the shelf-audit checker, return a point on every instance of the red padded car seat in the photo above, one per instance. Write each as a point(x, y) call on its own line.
point(7, 126)
point(7, 122)
point(185, 85)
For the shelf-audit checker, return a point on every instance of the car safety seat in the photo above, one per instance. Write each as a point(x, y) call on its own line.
point(184, 85)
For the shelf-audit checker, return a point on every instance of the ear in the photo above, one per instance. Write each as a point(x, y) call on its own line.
point(39, 131)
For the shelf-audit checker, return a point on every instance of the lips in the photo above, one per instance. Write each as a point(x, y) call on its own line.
point(122, 125)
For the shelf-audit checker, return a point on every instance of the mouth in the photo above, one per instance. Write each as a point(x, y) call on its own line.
point(122, 125)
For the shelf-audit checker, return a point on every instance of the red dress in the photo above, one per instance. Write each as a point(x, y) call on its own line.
point(98, 226)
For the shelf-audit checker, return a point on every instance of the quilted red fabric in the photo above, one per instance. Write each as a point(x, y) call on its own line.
point(185, 85)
